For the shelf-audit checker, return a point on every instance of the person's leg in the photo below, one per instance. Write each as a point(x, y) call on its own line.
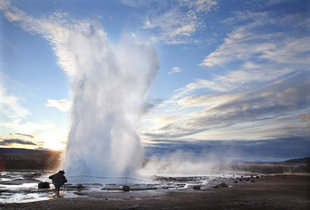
point(57, 189)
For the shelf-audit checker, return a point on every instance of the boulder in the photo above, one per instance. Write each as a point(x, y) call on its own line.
point(223, 185)
point(43, 185)
point(126, 188)
point(196, 187)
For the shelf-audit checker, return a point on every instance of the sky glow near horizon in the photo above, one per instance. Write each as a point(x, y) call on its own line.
point(228, 70)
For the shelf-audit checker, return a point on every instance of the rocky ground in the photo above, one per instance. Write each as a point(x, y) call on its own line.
point(267, 192)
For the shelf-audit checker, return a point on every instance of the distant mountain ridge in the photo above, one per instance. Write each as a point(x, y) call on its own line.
point(18, 158)
point(21, 151)
point(299, 160)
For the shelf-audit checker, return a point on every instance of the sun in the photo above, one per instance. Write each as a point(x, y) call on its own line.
point(53, 141)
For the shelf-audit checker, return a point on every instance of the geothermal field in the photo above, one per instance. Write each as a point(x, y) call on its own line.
point(196, 104)
point(219, 185)
point(19, 189)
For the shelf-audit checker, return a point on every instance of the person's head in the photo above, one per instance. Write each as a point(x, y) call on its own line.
point(62, 172)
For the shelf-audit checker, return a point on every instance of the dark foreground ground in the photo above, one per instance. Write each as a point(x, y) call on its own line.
point(268, 192)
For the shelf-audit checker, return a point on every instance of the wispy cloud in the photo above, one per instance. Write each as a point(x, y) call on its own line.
point(47, 135)
point(10, 107)
point(25, 135)
point(61, 104)
point(258, 84)
point(15, 118)
point(273, 110)
point(175, 69)
point(251, 41)
point(54, 28)
point(9, 142)
point(24, 126)
point(170, 24)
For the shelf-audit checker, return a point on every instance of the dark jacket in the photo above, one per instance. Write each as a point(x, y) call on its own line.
point(58, 178)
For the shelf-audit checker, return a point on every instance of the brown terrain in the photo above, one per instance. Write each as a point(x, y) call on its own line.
point(267, 192)
point(25, 159)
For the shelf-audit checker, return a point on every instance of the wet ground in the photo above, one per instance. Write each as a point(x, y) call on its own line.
point(267, 192)
point(22, 186)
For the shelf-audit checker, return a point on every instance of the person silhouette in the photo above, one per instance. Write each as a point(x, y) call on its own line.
point(58, 180)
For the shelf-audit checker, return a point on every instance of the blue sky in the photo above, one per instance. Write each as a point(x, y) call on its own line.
point(229, 70)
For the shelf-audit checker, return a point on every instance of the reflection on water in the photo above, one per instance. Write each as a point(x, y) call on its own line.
point(19, 187)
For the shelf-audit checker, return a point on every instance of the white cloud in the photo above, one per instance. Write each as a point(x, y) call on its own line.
point(258, 112)
point(172, 25)
point(175, 69)
point(9, 105)
point(253, 41)
point(260, 78)
point(207, 101)
point(253, 53)
point(55, 31)
point(44, 134)
point(61, 104)
point(27, 127)
point(215, 85)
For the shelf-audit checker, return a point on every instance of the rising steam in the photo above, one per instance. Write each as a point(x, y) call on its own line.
point(108, 100)
point(109, 87)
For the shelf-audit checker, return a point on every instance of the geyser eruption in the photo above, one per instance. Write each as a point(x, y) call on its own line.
point(109, 87)
point(109, 91)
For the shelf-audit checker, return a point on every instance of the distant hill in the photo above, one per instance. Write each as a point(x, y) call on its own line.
point(16, 158)
point(22, 151)
point(299, 160)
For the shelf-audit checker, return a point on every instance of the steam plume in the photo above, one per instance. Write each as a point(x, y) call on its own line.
point(109, 87)
point(109, 97)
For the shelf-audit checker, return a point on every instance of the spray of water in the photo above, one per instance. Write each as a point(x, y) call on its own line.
point(109, 98)
point(109, 87)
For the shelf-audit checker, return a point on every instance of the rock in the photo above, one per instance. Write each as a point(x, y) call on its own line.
point(196, 187)
point(43, 185)
point(126, 188)
point(223, 185)
point(235, 181)
point(80, 186)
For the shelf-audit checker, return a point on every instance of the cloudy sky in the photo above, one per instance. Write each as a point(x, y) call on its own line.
point(234, 72)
